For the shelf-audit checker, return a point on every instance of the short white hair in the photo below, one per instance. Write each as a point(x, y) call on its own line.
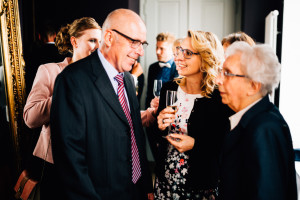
point(259, 63)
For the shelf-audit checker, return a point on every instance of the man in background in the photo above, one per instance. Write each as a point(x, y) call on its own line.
point(44, 51)
point(164, 69)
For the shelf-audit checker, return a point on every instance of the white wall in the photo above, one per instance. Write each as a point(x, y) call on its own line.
point(289, 100)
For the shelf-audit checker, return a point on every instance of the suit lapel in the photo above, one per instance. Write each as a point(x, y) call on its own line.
point(233, 137)
point(105, 87)
point(231, 140)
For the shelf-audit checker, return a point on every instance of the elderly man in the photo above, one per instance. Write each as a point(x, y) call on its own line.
point(98, 141)
point(257, 159)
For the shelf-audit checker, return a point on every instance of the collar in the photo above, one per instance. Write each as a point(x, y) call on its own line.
point(235, 119)
point(110, 70)
point(166, 64)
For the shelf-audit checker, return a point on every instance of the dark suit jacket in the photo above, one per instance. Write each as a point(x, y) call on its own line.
point(207, 124)
point(155, 72)
point(258, 159)
point(91, 135)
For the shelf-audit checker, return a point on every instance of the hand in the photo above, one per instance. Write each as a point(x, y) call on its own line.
point(154, 104)
point(182, 143)
point(165, 118)
point(137, 69)
point(150, 196)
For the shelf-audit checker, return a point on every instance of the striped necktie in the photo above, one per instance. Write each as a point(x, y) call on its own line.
point(136, 168)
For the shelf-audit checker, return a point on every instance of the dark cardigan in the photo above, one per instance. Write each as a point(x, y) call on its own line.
point(208, 123)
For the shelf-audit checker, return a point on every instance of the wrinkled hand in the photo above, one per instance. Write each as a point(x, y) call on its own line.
point(154, 104)
point(182, 143)
point(165, 118)
point(150, 196)
point(137, 69)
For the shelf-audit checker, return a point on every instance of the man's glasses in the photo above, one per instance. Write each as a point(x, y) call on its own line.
point(187, 54)
point(227, 74)
point(134, 43)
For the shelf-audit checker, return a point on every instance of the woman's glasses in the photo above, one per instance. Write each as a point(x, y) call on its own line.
point(187, 54)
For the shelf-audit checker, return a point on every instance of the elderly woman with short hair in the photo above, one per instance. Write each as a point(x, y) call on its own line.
point(257, 160)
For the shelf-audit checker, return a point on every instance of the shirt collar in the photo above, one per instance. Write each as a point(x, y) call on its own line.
point(110, 70)
point(235, 119)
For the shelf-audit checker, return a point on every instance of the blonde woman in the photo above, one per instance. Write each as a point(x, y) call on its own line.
point(188, 163)
point(80, 38)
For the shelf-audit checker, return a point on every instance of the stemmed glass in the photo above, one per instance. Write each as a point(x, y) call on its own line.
point(171, 100)
point(157, 87)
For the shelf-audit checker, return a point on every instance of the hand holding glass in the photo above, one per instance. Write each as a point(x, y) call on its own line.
point(171, 100)
point(157, 87)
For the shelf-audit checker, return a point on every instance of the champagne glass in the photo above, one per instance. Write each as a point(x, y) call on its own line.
point(157, 87)
point(137, 88)
point(171, 100)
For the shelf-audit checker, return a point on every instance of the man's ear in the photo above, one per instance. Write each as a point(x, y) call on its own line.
point(254, 88)
point(73, 42)
point(108, 38)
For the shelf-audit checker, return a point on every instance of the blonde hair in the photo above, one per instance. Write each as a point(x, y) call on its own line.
point(165, 37)
point(63, 38)
point(211, 52)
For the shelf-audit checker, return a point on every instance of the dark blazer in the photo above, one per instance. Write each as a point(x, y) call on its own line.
point(258, 159)
point(156, 72)
point(91, 135)
point(208, 124)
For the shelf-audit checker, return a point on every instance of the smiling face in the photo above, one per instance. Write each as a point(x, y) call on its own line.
point(233, 89)
point(119, 29)
point(125, 54)
point(191, 66)
point(86, 43)
point(118, 49)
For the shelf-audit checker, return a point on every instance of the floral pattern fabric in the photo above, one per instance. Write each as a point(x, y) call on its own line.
point(176, 163)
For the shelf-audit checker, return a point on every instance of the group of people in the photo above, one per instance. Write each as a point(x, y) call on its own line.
point(230, 141)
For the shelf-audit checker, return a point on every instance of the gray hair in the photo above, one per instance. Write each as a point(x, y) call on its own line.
point(259, 63)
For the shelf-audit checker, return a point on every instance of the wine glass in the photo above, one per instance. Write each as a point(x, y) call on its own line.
point(171, 99)
point(157, 87)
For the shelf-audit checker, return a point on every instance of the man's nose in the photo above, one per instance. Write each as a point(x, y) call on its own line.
point(140, 50)
point(158, 51)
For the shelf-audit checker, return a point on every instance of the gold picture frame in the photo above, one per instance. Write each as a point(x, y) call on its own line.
point(12, 56)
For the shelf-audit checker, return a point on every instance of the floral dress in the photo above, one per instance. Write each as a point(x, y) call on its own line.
point(176, 163)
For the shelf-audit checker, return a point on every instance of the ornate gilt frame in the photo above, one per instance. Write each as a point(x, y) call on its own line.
point(13, 70)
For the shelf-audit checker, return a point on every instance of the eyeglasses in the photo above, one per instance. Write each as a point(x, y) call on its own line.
point(227, 74)
point(134, 43)
point(187, 54)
